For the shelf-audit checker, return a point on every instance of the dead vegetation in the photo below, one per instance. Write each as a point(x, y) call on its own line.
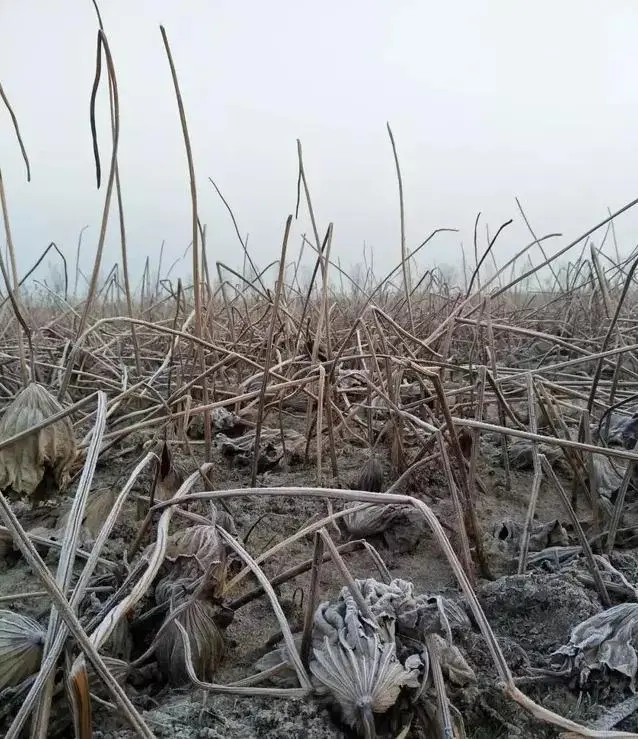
point(406, 511)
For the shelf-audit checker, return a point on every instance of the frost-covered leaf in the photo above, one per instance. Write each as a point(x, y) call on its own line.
point(194, 552)
point(371, 477)
point(241, 449)
point(521, 453)
point(362, 661)
point(117, 667)
point(453, 663)
point(370, 521)
point(37, 466)
point(541, 535)
point(623, 430)
point(363, 679)
point(21, 645)
point(609, 474)
point(98, 506)
point(205, 638)
point(606, 639)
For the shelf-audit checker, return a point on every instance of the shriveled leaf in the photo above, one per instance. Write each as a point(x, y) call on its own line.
point(371, 520)
point(200, 544)
point(371, 476)
point(120, 644)
point(221, 420)
point(37, 466)
point(623, 430)
point(117, 667)
point(415, 615)
point(6, 543)
point(542, 535)
point(356, 662)
point(609, 474)
point(205, 638)
point(606, 639)
point(362, 679)
point(400, 527)
point(521, 453)
point(453, 663)
point(21, 646)
point(172, 474)
point(194, 552)
point(241, 449)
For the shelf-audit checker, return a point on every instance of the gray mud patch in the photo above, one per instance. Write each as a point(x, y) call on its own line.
point(222, 717)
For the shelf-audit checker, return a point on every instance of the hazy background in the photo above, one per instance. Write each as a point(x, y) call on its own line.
point(487, 100)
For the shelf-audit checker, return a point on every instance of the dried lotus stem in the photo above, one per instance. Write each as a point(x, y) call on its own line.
point(79, 591)
point(306, 639)
point(233, 689)
point(536, 483)
point(67, 558)
point(15, 290)
point(444, 715)
point(345, 573)
point(302, 675)
point(587, 551)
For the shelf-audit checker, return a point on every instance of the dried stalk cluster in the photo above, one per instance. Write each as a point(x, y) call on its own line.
point(439, 385)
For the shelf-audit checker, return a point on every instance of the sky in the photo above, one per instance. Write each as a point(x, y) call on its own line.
point(488, 101)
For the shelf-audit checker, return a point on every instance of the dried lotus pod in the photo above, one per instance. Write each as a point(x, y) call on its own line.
point(205, 638)
point(37, 466)
point(21, 645)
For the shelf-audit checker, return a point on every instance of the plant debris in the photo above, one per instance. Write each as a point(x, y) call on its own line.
point(37, 466)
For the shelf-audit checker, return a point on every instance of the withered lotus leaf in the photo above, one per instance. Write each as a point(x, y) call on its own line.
point(361, 662)
point(371, 520)
point(21, 645)
point(355, 659)
point(37, 466)
point(6, 543)
point(118, 668)
point(364, 679)
point(371, 476)
point(205, 639)
point(195, 551)
point(605, 640)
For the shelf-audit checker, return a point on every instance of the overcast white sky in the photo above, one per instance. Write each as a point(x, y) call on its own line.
point(488, 100)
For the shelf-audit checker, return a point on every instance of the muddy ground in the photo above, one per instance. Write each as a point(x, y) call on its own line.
point(532, 615)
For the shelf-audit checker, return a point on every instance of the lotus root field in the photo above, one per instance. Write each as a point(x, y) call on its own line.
point(250, 504)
